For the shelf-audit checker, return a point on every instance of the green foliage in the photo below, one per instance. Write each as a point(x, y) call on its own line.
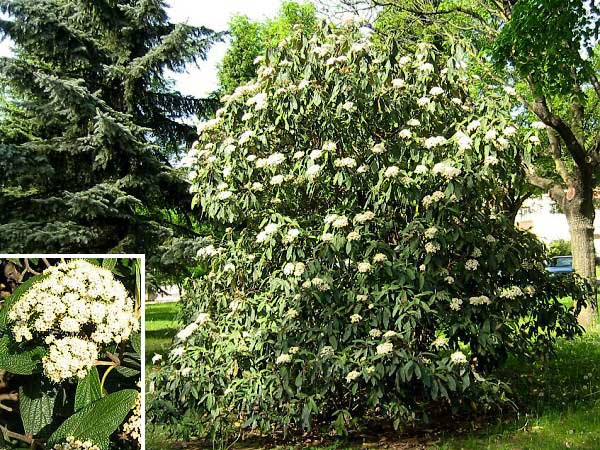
point(90, 123)
point(99, 420)
point(545, 39)
point(557, 403)
point(370, 269)
point(19, 361)
point(88, 389)
point(559, 247)
point(250, 39)
point(36, 404)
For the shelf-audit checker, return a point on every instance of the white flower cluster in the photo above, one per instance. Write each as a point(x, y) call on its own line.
point(207, 252)
point(538, 125)
point(529, 290)
point(268, 231)
point(480, 300)
point(428, 200)
point(189, 330)
point(432, 247)
point(75, 444)
point(69, 357)
point(405, 133)
point(75, 308)
point(458, 358)
point(364, 267)
point(446, 170)
point(353, 236)
point(352, 376)
point(435, 141)
point(385, 348)
point(379, 258)
point(327, 351)
point(366, 216)
point(472, 264)
point(284, 358)
point(455, 304)
point(317, 282)
point(296, 269)
point(337, 221)
point(463, 141)
point(391, 172)
point(355, 318)
point(375, 333)
point(511, 292)
point(440, 341)
point(348, 162)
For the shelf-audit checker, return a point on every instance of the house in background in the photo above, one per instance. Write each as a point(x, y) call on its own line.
point(541, 216)
point(164, 294)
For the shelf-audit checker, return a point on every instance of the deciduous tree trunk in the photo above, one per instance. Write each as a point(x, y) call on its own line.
point(580, 217)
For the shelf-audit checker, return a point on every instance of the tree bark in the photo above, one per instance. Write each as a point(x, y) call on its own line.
point(580, 217)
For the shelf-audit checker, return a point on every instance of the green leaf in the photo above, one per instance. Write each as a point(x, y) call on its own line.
point(136, 342)
point(97, 421)
point(451, 383)
point(88, 389)
point(109, 263)
point(127, 372)
point(17, 361)
point(36, 404)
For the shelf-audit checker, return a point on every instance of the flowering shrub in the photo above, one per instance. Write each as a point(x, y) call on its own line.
point(58, 328)
point(370, 270)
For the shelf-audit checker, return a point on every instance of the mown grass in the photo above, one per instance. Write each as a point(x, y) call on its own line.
point(161, 326)
point(558, 404)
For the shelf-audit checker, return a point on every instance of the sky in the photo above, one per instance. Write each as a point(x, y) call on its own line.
point(215, 14)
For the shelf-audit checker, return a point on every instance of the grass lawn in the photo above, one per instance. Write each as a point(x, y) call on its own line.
point(161, 326)
point(558, 400)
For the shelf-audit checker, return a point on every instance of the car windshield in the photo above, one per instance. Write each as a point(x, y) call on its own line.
point(562, 261)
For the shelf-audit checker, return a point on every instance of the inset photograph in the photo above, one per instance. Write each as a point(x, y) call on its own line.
point(70, 346)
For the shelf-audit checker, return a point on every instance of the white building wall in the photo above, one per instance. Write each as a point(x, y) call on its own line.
point(541, 217)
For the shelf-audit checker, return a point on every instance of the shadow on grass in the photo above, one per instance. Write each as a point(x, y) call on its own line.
point(558, 403)
point(161, 326)
point(161, 312)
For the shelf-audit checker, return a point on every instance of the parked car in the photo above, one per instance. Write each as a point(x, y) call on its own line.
point(560, 264)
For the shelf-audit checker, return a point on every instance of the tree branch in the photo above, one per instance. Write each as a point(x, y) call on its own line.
point(11, 434)
point(554, 189)
point(28, 267)
point(437, 12)
point(595, 83)
point(10, 397)
point(540, 108)
point(555, 152)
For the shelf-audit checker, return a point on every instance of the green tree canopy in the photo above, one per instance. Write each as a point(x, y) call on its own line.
point(89, 125)
point(250, 39)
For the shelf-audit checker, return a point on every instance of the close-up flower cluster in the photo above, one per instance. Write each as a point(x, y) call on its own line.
point(76, 309)
point(71, 357)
